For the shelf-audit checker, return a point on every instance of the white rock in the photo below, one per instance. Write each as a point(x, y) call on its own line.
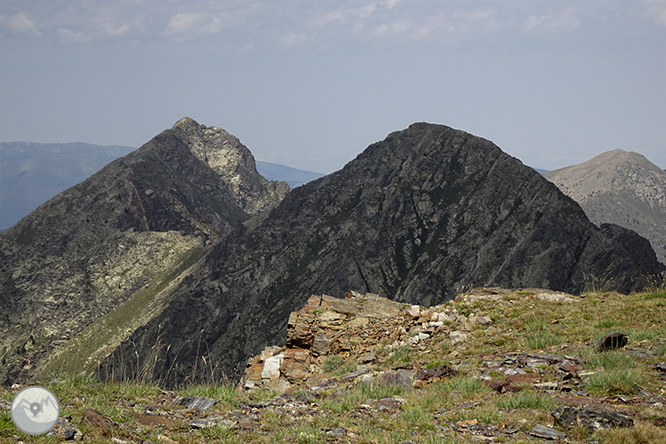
point(268, 352)
point(457, 336)
point(271, 368)
point(484, 320)
point(414, 311)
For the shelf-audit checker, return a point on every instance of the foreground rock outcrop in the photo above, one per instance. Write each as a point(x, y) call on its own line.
point(426, 212)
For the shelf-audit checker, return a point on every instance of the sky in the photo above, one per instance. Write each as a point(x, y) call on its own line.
point(310, 84)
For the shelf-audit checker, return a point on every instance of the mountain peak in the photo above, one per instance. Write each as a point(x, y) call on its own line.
point(228, 157)
point(185, 121)
point(620, 187)
point(144, 213)
point(415, 218)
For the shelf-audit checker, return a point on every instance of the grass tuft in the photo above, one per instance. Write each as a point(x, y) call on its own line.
point(526, 400)
point(542, 339)
point(615, 382)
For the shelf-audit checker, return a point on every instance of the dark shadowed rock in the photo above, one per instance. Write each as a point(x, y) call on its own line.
point(547, 433)
point(592, 418)
point(612, 341)
point(415, 217)
point(195, 402)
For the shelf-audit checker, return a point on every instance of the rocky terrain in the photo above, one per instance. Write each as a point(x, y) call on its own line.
point(417, 217)
point(492, 365)
point(622, 188)
point(120, 237)
point(32, 173)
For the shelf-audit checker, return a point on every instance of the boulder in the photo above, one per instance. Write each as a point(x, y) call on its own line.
point(612, 341)
point(457, 336)
point(271, 370)
point(590, 417)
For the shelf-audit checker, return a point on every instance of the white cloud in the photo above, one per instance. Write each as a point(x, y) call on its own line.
point(195, 24)
point(454, 27)
point(565, 18)
point(655, 10)
point(366, 11)
point(21, 24)
point(475, 15)
point(293, 39)
point(432, 25)
point(390, 4)
point(67, 35)
point(184, 22)
point(329, 17)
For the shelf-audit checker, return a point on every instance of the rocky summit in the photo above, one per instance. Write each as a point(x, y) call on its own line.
point(620, 187)
point(415, 218)
point(121, 235)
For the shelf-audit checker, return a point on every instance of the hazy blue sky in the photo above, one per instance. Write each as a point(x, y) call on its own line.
point(310, 84)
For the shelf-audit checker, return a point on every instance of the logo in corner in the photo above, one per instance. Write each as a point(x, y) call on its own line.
point(35, 410)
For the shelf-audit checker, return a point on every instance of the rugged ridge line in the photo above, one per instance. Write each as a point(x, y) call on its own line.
point(426, 212)
point(90, 248)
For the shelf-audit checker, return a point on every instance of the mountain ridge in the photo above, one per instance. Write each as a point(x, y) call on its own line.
point(32, 173)
point(93, 246)
point(416, 217)
point(620, 187)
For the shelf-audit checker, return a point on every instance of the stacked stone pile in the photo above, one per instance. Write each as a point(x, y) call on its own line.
point(354, 328)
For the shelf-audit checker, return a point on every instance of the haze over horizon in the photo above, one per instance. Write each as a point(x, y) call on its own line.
point(311, 84)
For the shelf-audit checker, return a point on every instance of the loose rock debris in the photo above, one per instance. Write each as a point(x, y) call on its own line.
point(361, 329)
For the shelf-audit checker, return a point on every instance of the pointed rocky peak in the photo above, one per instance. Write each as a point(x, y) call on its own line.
point(233, 161)
point(185, 122)
point(90, 248)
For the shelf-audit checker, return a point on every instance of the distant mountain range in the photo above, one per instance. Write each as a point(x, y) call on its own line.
point(178, 261)
point(620, 187)
point(32, 173)
point(295, 178)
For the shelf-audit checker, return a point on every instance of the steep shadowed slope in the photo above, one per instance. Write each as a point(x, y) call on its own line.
point(88, 249)
point(414, 218)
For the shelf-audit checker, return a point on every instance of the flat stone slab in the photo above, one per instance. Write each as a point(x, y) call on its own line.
point(547, 433)
point(590, 417)
point(195, 402)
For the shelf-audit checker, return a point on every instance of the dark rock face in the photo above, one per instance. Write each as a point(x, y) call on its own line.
point(415, 218)
point(585, 416)
point(92, 246)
